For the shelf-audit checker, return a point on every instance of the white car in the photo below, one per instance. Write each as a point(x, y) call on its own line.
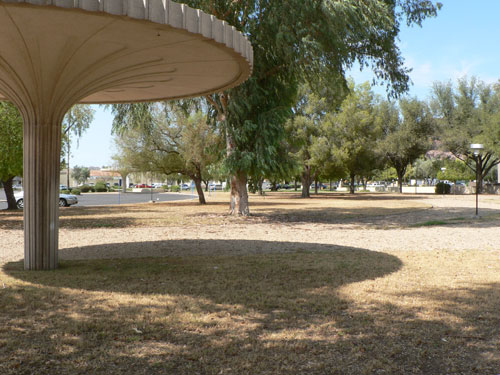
point(65, 200)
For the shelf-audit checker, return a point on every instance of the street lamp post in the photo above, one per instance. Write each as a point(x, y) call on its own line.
point(416, 178)
point(476, 149)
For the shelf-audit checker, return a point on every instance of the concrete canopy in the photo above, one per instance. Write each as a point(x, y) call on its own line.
point(55, 53)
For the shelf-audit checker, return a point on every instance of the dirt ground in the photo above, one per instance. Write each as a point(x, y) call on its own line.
point(336, 284)
point(372, 222)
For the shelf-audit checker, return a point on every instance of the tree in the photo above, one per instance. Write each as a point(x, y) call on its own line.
point(169, 138)
point(407, 133)
point(303, 132)
point(75, 122)
point(301, 41)
point(455, 170)
point(353, 133)
point(122, 165)
point(469, 113)
point(11, 149)
point(80, 174)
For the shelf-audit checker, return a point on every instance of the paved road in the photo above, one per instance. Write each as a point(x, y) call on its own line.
point(102, 199)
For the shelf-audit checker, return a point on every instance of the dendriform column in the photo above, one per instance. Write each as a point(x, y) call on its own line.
point(56, 53)
point(42, 152)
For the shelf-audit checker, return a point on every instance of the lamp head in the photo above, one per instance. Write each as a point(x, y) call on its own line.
point(476, 148)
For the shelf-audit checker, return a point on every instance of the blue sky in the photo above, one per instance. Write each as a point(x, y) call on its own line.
point(463, 40)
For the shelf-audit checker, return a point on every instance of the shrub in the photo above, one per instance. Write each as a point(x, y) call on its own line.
point(175, 189)
point(65, 191)
point(85, 188)
point(76, 191)
point(92, 189)
point(443, 188)
point(101, 187)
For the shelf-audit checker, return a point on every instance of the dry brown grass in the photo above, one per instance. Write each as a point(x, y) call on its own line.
point(310, 308)
point(275, 207)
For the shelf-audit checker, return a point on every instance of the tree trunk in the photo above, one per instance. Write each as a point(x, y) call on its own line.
point(238, 204)
point(363, 181)
point(199, 189)
point(239, 195)
point(67, 166)
point(295, 185)
point(400, 181)
point(124, 183)
point(306, 182)
point(259, 187)
point(315, 186)
point(206, 186)
point(351, 186)
point(9, 194)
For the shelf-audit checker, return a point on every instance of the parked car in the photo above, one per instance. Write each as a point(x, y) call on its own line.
point(185, 187)
point(214, 186)
point(65, 200)
point(63, 187)
point(142, 186)
point(320, 186)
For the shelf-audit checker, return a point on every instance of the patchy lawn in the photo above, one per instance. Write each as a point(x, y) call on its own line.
point(281, 292)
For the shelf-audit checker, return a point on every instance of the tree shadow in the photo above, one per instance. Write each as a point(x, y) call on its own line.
point(370, 196)
point(383, 218)
point(226, 313)
point(213, 265)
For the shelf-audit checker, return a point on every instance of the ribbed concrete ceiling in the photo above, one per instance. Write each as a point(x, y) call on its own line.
point(60, 52)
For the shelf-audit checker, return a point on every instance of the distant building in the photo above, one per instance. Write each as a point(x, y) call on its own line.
point(106, 175)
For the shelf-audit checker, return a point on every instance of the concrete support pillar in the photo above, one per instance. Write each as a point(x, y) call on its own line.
point(42, 148)
point(54, 54)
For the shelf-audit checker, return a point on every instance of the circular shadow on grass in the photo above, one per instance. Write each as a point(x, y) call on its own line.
point(273, 275)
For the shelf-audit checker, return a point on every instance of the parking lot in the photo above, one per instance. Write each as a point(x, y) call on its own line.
point(104, 199)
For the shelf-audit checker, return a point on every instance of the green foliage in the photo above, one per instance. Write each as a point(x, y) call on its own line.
point(175, 188)
point(469, 113)
point(426, 168)
point(80, 174)
point(76, 191)
point(305, 139)
point(76, 121)
point(298, 41)
point(100, 187)
point(85, 188)
point(11, 142)
point(492, 176)
point(407, 133)
point(456, 170)
point(323, 38)
point(388, 174)
point(443, 188)
point(353, 132)
point(65, 191)
point(174, 138)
